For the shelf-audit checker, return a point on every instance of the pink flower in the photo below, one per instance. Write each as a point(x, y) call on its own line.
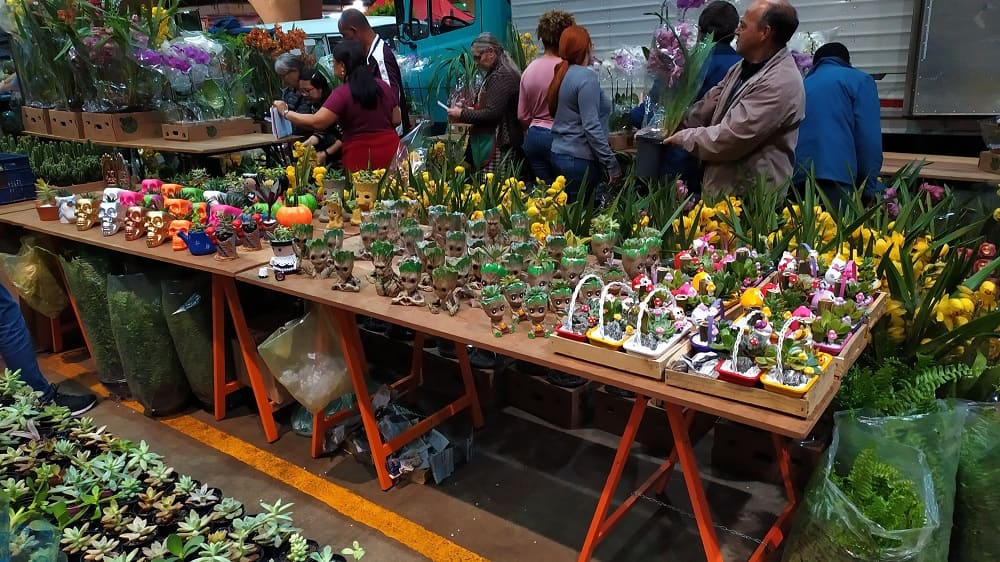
point(935, 191)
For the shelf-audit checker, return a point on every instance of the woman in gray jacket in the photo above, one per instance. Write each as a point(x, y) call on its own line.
point(580, 149)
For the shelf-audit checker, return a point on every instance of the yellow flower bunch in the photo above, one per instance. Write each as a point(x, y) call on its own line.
point(539, 231)
point(528, 46)
point(164, 28)
point(319, 173)
point(298, 149)
point(956, 310)
point(476, 215)
point(290, 174)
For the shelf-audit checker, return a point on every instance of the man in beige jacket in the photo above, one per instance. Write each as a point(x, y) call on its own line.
point(748, 124)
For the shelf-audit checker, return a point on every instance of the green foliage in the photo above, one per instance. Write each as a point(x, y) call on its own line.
point(882, 494)
point(977, 501)
point(896, 388)
point(57, 162)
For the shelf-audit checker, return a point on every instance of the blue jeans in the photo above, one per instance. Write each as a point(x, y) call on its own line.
point(16, 348)
point(580, 173)
point(537, 151)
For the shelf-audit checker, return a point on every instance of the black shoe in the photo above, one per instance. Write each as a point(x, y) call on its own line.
point(76, 404)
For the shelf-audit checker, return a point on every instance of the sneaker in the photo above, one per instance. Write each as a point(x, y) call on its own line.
point(76, 404)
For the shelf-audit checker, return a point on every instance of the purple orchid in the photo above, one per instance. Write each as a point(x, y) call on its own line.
point(935, 191)
point(177, 63)
point(149, 57)
point(687, 4)
point(803, 61)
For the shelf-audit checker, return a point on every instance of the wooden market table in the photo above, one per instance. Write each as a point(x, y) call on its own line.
point(472, 327)
point(218, 145)
point(939, 167)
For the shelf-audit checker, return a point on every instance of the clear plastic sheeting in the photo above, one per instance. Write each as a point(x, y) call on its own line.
point(306, 357)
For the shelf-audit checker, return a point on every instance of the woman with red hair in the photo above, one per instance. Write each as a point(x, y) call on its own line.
point(580, 149)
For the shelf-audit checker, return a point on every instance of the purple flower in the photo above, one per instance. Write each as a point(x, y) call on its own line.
point(893, 208)
point(197, 56)
point(149, 57)
point(803, 61)
point(889, 194)
point(177, 63)
point(682, 189)
point(685, 4)
point(935, 191)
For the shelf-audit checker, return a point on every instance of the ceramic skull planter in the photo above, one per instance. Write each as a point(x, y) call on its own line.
point(86, 214)
point(135, 223)
point(112, 217)
point(157, 228)
point(175, 229)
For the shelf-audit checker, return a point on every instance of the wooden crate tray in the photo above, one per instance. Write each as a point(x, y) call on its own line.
point(801, 407)
point(635, 364)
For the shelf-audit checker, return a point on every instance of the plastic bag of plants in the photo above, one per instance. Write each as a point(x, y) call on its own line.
point(936, 433)
point(977, 501)
point(87, 280)
point(29, 271)
point(306, 357)
point(153, 372)
point(188, 312)
point(870, 499)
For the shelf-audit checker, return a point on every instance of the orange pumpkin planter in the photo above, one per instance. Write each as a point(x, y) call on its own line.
point(292, 213)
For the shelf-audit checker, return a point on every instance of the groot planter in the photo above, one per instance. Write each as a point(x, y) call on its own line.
point(343, 262)
point(383, 277)
point(364, 199)
point(410, 271)
point(494, 305)
point(602, 247)
point(445, 279)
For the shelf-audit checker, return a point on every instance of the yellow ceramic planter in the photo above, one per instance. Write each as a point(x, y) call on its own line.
point(601, 342)
point(794, 391)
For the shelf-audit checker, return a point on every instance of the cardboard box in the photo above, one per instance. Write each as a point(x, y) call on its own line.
point(989, 161)
point(36, 120)
point(611, 413)
point(748, 453)
point(565, 407)
point(122, 126)
point(66, 124)
point(205, 130)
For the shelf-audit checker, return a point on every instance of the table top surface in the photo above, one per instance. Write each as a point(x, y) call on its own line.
point(471, 326)
point(247, 260)
point(208, 146)
point(939, 167)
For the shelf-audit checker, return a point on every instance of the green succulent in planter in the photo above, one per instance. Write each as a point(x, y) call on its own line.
point(76, 540)
point(138, 531)
point(185, 485)
point(192, 525)
point(112, 517)
point(202, 497)
point(130, 556)
point(160, 475)
point(156, 550)
point(275, 524)
point(167, 509)
point(101, 547)
point(218, 551)
point(149, 498)
point(14, 489)
point(298, 548)
point(141, 457)
point(325, 555)
point(830, 324)
point(228, 509)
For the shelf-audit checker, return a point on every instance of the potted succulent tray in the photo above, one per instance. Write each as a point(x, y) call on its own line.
point(612, 327)
point(578, 320)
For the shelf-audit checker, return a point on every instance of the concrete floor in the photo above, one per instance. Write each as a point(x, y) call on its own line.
point(528, 494)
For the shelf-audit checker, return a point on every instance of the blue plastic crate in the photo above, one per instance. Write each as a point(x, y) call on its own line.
point(17, 181)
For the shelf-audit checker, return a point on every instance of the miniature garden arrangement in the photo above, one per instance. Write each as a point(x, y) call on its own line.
point(72, 486)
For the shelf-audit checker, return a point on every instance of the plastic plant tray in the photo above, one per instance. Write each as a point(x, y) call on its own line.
point(564, 333)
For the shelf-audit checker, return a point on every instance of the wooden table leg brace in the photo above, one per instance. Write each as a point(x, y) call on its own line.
point(680, 423)
point(354, 353)
point(224, 295)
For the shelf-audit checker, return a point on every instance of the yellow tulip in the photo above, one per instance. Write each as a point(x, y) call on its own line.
point(459, 170)
point(476, 215)
point(532, 211)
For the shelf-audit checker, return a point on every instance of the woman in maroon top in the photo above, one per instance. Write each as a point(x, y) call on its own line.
point(365, 107)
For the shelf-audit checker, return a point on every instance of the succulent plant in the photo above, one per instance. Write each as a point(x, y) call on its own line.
point(156, 550)
point(138, 531)
point(76, 539)
point(167, 509)
point(185, 485)
point(228, 508)
point(202, 497)
point(192, 525)
point(298, 548)
point(101, 548)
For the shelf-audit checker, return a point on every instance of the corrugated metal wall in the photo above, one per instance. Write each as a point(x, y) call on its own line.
point(876, 31)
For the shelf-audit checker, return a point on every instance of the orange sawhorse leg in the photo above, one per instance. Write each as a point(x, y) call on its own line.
point(692, 480)
point(323, 422)
point(602, 523)
point(354, 352)
point(224, 295)
point(76, 313)
point(778, 531)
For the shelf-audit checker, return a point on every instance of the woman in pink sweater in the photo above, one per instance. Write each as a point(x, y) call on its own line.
point(533, 107)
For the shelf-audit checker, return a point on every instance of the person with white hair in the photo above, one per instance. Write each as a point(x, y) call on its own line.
point(289, 67)
point(493, 115)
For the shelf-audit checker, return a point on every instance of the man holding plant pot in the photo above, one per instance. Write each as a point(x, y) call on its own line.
point(748, 124)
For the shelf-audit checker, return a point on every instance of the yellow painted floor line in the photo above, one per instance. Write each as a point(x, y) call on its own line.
point(338, 498)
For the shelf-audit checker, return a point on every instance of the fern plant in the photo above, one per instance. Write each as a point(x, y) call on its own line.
point(882, 494)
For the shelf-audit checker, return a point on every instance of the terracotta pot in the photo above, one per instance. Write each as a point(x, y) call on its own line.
point(47, 212)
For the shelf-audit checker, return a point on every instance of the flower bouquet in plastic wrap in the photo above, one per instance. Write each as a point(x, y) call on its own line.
point(676, 64)
point(804, 45)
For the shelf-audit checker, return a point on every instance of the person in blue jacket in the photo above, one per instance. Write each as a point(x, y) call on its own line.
point(719, 19)
point(840, 139)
